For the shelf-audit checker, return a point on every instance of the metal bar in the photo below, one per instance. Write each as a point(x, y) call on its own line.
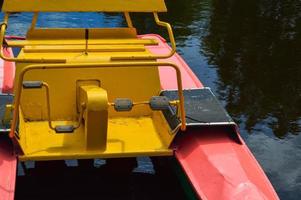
point(94, 65)
point(170, 34)
point(34, 20)
point(13, 59)
point(48, 105)
point(128, 19)
point(83, 6)
point(150, 57)
point(81, 115)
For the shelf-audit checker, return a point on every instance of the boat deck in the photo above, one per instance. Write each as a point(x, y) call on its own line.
point(119, 143)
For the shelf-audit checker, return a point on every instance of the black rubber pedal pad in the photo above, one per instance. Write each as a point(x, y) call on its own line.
point(123, 104)
point(64, 129)
point(32, 84)
point(159, 103)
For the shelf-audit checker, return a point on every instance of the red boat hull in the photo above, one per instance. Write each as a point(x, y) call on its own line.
point(215, 159)
point(8, 165)
point(8, 162)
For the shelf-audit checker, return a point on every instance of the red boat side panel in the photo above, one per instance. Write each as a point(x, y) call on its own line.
point(217, 166)
point(7, 73)
point(8, 161)
point(167, 75)
point(220, 168)
point(8, 165)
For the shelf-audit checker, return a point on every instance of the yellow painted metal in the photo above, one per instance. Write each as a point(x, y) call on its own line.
point(34, 20)
point(99, 33)
point(128, 19)
point(7, 117)
point(95, 100)
point(79, 33)
point(126, 137)
point(83, 71)
point(128, 123)
point(81, 48)
point(32, 60)
point(87, 6)
point(119, 85)
point(68, 42)
point(169, 54)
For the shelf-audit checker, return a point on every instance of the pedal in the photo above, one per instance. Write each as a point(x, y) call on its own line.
point(159, 103)
point(32, 84)
point(123, 104)
point(64, 129)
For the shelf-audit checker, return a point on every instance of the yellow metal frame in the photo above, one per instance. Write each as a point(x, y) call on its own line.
point(44, 47)
point(151, 57)
point(2, 35)
point(83, 106)
point(129, 23)
point(18, 88)
point(87, 6)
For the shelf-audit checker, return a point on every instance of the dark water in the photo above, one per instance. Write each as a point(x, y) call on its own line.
point(249, 53)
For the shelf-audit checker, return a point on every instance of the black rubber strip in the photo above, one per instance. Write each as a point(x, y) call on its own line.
point(32, 84)
point(64, 129)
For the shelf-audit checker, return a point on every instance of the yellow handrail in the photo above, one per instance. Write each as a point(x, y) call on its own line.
point(129, 22)
point(95, 65)
point(13, 59)
point(151, 57)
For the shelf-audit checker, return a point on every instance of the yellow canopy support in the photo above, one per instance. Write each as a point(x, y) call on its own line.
point(84, 6)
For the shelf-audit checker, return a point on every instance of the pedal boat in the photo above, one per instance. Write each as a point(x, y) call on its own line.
point(74, 93)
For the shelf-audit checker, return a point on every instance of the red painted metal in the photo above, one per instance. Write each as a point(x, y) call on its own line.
point(8, 165)
point(7, 73)
point(217, 166)
point(220, 167)
point(167, 75)
point(8, 162)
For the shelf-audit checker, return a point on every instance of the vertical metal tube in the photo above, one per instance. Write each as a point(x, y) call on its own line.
point(128, 19)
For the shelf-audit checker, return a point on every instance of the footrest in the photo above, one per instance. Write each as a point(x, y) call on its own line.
point(159, 103)
point(32, 84)
point(64, 129)
point(201, 106)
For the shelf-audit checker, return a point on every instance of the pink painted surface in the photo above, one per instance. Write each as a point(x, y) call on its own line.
point(218, 167)
point(8, 161)
point(8, 165)
point(7, 73)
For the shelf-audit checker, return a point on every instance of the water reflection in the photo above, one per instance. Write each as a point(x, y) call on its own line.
point(256, 48)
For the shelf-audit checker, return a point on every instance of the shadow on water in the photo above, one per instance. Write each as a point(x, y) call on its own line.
point(110, 180)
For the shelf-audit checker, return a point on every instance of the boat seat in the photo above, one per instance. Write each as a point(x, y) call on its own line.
point(108, 44)
point(81, 71)
point(90, 40)
point(75, 37)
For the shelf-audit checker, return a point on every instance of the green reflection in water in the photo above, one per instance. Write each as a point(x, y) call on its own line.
point(255, 46)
